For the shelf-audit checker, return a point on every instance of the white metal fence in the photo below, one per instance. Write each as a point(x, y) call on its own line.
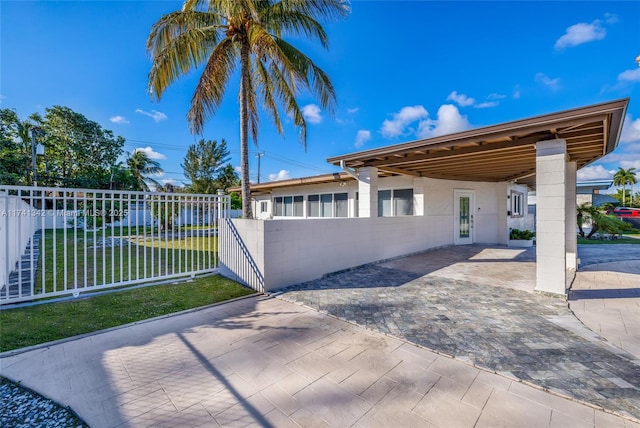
point(56, 242)
point(236, 261)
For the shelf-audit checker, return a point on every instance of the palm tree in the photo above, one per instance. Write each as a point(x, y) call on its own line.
point(140, 164)
point(631, 172)
point(224, 33)
point(622, 177)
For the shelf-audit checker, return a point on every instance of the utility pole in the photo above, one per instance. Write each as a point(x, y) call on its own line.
point(34, 143)
point(259, 155)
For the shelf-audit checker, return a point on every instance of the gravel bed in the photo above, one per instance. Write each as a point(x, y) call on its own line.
point(22, 407)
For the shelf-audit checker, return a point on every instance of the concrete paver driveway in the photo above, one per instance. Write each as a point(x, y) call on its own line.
point(477, 304)
point(270, 363)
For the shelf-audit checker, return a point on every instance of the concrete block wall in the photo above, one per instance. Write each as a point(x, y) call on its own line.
point(290, 251)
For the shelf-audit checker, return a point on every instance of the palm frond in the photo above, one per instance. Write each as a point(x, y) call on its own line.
point(287, 94)
point(210, 89)
point(282, 22)
point(179, 42)
point(308, 73)
point(318, 9)
point(268, 96)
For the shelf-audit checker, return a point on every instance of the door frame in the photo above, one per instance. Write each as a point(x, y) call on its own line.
point(457, 193)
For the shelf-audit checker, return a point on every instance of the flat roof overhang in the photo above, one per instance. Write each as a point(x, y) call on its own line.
point(504, 152)
point(265, 188)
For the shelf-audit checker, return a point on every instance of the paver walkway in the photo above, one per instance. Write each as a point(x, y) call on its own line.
point(458, 301)
point(605, 295)
point(266, 362)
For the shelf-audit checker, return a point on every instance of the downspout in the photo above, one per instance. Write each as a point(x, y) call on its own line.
point(349, 171)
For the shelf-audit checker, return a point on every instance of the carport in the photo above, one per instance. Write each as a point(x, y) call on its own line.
point(543, 152)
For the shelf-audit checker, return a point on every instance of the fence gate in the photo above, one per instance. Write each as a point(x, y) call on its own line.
point(56, 241)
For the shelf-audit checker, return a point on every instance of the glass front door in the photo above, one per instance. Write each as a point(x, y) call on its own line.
point(463, 217)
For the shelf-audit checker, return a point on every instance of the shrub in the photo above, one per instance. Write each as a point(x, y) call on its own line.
point(521, 234)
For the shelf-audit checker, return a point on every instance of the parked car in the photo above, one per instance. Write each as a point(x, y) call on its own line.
point(625, 212)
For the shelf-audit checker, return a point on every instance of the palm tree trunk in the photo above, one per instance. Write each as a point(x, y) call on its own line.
point(244, 130)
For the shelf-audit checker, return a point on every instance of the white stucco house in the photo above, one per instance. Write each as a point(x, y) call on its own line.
point(457, 189)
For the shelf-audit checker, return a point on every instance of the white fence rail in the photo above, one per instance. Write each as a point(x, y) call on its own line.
point(56, 242)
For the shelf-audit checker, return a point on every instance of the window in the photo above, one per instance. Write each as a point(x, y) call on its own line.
point(288, 206)
point(328, 205)
point(277, 206)
point(298, 202)
point(263, 206)
point(395, 202)
point(314, 205)
point(403, 202)
point(517, 204)
point(384, 203)
point(341, 204)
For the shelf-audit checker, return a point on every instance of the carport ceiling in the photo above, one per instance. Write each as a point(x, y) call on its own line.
point(504, 152)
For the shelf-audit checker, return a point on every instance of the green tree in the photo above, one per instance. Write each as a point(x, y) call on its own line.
point(622, 177)
point(141, 165)
point(78, 151)
point(203, 163)
point(14, 154)
point(222, 34)
point(227, 177)
point(600, 222)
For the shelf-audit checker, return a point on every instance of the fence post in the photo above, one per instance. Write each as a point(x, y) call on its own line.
point(220, 204)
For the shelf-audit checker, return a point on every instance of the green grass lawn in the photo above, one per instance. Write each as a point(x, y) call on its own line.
point(33, 325)
point(88, 264)
point(622, 240)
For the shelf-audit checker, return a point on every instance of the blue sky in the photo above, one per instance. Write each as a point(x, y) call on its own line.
point(401, 70)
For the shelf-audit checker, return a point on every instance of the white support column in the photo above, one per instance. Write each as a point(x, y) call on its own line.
point(571, 237)
point(551, 216)
point(368, 192)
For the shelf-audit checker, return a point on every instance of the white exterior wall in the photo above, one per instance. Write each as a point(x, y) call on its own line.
point(292, 250)
point(17, 226)
point(523, 222)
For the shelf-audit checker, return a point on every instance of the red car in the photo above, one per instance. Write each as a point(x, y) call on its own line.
point(623, 212)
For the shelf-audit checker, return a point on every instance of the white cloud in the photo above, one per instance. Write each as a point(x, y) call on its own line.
point(632, 75)
point(486, 104)
point(157, 116)
point(362, 137)
point(495, 96)
point(553, 84)
point(581, 33)
point(152, 154)
point(238, 169)
point(283, 174)
point(630, 130)
point(594, 172)
point(626, 164)
point(461, 99)
point(516, 93)
point(311, 113)
point(2, 97)
point(169, 181)
point(353, 110)
point(120, 120)
point(401, 120)
point(611, 18)
point(449, 121)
